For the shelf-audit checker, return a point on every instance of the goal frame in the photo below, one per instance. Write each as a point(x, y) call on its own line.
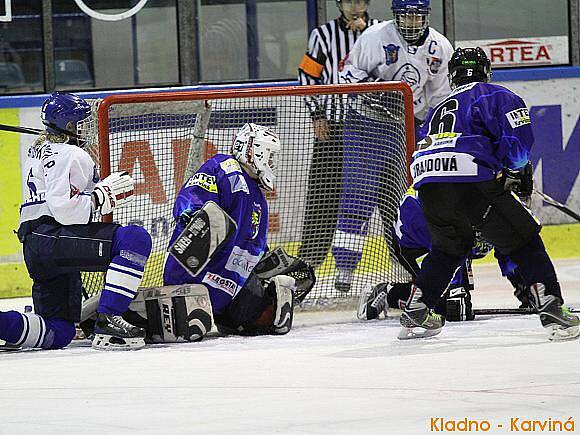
point(275, 91)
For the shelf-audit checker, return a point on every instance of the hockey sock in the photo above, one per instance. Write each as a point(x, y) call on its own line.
point(31, 330)
point(436, 272)
point(131, 249)
point(535, 266)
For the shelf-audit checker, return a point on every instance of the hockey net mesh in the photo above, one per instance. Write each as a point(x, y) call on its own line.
point(336, 198)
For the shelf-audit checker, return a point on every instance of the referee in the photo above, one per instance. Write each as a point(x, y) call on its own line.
point(328, 45)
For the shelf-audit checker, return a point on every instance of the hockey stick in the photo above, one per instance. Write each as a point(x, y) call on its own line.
point(499, 311)
point(558, 205)
point(25, 130)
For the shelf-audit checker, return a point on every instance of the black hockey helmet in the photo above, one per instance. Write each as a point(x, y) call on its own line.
point(469, 65)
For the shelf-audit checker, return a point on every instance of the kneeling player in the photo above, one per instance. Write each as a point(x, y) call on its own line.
point(220, 249)
point(411, 240)
point(59, 239)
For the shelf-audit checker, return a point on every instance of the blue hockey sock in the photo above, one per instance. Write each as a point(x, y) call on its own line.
point(437, 270)
point(535, 266)
point(32, 330)
point(131, 249)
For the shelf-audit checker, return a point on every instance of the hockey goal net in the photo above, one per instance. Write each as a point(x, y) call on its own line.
point(336, 196)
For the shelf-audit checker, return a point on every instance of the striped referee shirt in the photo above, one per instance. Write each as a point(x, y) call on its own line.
point(328, 45)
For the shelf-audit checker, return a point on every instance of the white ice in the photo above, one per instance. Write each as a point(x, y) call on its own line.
point(331, 375)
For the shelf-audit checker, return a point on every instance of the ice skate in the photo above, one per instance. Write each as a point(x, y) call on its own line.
point(417, 320)
point(560, 324)
point(115, 333)
point(343, 280)
point(373, 301)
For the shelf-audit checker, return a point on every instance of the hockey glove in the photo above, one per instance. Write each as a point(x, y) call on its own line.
point(520, 182)
point(381, 106)
point(481, 247)
point(116, 190)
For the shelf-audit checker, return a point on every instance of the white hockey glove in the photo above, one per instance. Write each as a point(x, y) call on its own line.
point(116, 190)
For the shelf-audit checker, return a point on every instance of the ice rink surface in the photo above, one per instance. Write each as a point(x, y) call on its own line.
point(331, 375)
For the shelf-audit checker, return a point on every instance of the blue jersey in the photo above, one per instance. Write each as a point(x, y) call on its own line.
point(222, 180)
point(478, 130)
point(411, 227)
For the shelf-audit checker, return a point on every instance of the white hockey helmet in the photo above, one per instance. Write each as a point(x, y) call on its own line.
point(255, 147)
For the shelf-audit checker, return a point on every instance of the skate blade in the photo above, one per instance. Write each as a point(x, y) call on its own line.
point(559, 333)
point(412, 333)
point(109, 342)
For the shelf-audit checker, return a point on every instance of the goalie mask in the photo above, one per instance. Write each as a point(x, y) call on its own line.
point(68, 114)
point(411, 18)
point(256, 147)
point(469, 65)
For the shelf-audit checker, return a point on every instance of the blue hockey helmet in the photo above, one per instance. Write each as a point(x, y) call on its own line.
point(469, 65)
point(63, 113)
point(411, 18)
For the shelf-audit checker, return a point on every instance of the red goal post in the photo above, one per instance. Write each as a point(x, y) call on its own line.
point(162, 138)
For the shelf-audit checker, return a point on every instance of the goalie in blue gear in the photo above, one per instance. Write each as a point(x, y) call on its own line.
point(472, 144)
point(411, 241)
point(242, 301)
point(59, 240)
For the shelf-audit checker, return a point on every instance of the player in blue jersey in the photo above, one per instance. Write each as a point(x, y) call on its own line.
point(410, 241)
point(473, 154)
point(241, 301)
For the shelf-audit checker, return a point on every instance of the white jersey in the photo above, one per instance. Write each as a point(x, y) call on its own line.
point(381, 53)
point(59, 181)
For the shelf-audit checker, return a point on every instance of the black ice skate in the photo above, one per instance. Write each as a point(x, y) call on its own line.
point(417, 320)
point(373, 302)
point(343, 280)
point(115, 333)
point(558, 321)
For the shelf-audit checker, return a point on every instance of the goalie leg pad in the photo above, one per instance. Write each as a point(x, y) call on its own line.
point(245, 309)
point(458, 306)
point(175, 313)
point(284, 287)
point(207, 231)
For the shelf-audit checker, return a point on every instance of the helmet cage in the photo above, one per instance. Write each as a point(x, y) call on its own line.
point(411, 22)
point(256, 148)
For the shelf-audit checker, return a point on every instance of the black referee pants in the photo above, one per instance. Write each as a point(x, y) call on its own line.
point(323, 197)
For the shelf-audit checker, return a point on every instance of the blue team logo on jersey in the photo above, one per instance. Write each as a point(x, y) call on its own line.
point(409, 74)
point(256, 218)
point(391, 53)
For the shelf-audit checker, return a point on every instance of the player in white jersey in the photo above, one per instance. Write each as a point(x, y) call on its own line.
point(404, 49)
point(328, 45)
point(59, 240)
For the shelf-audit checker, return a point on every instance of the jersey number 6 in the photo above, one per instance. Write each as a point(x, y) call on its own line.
point(443, 120)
